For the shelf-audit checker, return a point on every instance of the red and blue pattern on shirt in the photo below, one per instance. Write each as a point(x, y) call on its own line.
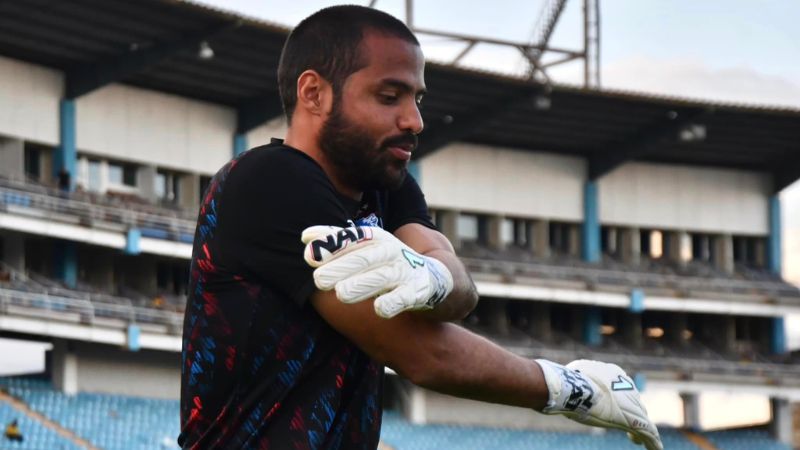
point(260, 371)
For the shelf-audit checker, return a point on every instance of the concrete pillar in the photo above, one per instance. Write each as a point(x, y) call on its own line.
point(494, 235)
point(590, 236)
point(99, 265)
point(539, 321)
point(632, 329)
point(691, 411)
point(760, 256)
point(592, 320)
point(189, 187)
point(14, 250)
point(448, 222)
point(239, 144)
point(415, 410)
point(574, 241)
point(781, 423)
point(66, 263)
point(538, 232)
point(146, 182)
point(498, 316)
point(774, 240)
point(723, 253)
point(630, 245)
point(678, 246)
point(64, 367)
point(777, 342)
point(678, 323)
point(65, 156)
point(12, 158)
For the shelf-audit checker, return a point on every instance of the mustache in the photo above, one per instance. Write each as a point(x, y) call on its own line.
point(407, 139)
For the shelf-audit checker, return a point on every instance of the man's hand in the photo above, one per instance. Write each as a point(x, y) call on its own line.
point(364, 262)
point(599, 394)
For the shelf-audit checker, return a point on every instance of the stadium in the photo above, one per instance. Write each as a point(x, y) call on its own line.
point(636, 229)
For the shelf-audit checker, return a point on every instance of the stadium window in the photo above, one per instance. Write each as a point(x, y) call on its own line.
point(129, 175)
point(114, 174)
point(656, 244)
point(161, 185)
point(654, 332)
point(33, 161)
point(521, 237)
point(467, 227)
point(95, 181)
point(644, 242)
point(507, 231)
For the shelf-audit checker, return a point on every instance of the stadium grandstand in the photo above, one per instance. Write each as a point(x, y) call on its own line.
point(634, 229)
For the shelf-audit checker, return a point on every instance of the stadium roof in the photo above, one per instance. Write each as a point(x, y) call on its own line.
point(154, 44)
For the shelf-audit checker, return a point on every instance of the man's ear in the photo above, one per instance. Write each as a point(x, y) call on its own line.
point(314, 93)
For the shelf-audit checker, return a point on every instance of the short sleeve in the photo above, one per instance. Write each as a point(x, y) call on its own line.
point(270, 197)
point(406, 205)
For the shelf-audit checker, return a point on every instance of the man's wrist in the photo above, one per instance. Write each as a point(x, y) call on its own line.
point(568, 390)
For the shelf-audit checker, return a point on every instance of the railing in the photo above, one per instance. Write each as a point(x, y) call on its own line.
point(61, 206)
point(85, 310)
point(632, 278)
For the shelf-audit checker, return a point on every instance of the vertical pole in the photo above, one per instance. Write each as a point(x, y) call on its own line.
point(66, 156)
point(774, 240)
point(239, 144)
point(591, 223)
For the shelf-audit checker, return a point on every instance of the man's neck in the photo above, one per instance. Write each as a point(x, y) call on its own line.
point(308, 144)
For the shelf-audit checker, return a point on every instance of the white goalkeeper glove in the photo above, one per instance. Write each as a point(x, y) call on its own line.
point(601, 395)
point(364, 262)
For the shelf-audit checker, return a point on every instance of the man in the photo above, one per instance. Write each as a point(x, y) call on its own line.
point(277, 356)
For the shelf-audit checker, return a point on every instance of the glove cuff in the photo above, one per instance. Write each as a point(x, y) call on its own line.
point(441, 282)
point(569, 390)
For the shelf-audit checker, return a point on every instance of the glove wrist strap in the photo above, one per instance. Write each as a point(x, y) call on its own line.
point(441, 281)
point(569, 390)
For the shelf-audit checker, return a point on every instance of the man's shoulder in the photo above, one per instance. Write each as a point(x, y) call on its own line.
point(274, 154)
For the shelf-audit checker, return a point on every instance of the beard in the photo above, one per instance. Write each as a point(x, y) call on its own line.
point(358, 159)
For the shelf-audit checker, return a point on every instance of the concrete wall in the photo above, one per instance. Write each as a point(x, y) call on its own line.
point(477, 178)
point(145, 126)
point(108, 369)
point(29, 97)
point(276, 128)
point(685, 198)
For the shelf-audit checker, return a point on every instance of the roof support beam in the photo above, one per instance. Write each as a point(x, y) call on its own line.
point(85, 79)
point(643, 142)
point(787, 173)
point(454, 128)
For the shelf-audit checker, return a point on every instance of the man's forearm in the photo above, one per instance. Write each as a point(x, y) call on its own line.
point(464, 297)
point(455, 361)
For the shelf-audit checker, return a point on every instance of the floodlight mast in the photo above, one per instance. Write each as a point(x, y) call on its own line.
point(538, 47)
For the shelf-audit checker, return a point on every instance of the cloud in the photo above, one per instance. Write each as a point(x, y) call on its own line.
point(693, 78)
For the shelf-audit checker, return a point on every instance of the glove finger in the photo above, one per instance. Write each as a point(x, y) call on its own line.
point(317, 231)
point(361, 257)
point(368, 284)
point(323, 249)
point(393, 303)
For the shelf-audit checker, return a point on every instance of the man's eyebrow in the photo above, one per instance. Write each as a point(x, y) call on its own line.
point(402, 86)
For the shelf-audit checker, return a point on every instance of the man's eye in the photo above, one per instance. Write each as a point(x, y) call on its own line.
point(388, 98)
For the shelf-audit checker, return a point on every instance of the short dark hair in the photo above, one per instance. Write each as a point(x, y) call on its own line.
point(328, 42)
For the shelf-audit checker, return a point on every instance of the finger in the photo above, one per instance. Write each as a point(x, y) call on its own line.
point(317, 231)
point(369, 283)
point(393, 303)
point(325, 248)
point(361, 257)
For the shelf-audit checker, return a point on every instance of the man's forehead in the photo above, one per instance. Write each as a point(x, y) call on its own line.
point(400, 59)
